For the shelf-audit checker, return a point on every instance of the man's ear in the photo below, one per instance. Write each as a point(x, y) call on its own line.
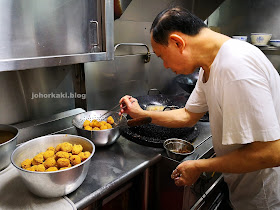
point(178, 41)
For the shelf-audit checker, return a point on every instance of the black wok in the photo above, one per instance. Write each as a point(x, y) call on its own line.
point(154, 135)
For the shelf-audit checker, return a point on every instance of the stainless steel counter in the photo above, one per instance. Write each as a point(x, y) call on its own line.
point(112, 166)
point(115, 165)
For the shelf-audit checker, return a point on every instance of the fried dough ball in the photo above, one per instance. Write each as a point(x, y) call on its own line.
point(103, 123)
point(57, 148)
point(87, 154)
point(66, 147)
point(40, 168)
point(103, 127)
point(51, 149)
point(82, 156)
point(32, 168)
point(86, 123)
point(48, 153)
point(52, 169)
point(97, 124)
point(109, 126)
point(62, 154)
point(75, 160)
point(26, 163)
point(88, 128)
point(93, 123)
point(63, 162)
point(110, 120)
point(38, 159)
point(77, 149)
point(96, 129)
point(50, 162)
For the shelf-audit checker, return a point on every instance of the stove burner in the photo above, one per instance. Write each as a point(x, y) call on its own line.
point(154, 136)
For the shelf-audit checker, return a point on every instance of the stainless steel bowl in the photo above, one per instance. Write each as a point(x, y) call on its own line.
point(102, 137)
point(178, 149)
point(55, 183)
point(7, 147)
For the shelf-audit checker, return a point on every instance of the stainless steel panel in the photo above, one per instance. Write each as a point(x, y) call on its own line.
point(53, 33)
point(107, 82)
point(18, 91)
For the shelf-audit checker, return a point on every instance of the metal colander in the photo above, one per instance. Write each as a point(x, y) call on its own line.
point(100, 137)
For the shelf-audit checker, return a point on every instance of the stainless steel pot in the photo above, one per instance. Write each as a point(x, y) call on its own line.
point(6, 148)
point(55, 183)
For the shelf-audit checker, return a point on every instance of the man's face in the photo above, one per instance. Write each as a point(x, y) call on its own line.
point(172, 57)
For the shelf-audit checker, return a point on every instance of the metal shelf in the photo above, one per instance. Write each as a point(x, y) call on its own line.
point(270, 50)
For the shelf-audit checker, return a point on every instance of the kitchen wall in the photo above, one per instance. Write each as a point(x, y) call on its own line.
point(106, 82)
point(243, 17)
point(36, 93)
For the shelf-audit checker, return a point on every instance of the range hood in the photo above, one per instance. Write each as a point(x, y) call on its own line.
point(204, 8)
point(146, 10)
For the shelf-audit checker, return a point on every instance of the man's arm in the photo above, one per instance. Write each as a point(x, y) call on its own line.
point(172, 119)
point(252, 157)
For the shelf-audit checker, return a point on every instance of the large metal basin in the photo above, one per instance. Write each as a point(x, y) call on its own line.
point(56, 183)
point(7, 147)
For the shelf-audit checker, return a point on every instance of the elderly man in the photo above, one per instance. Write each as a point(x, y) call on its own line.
point(241, 90)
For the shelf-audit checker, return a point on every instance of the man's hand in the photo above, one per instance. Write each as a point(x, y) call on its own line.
point(132, 107)
point(186, 173)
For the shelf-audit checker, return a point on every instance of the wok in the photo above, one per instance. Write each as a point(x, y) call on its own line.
point(187, 82)
point(154, 135)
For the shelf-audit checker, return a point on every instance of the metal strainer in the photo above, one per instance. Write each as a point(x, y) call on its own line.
point(108, 136)
point(102, 137)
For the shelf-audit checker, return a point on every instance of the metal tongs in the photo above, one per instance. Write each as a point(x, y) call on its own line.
point(114, 108)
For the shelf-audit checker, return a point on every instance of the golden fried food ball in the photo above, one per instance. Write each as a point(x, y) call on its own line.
point(109, 126)
point(26, 163)
point(48, 153)
point(93, 122)
point(63, 162)
point(103, 127)
point(103, 122)
point(38, 159)
point(51, 148)
point(62, 154)
point(87, 154)
point(32, 168)
point(77, 148)
point(57, 148)
point(50, 162)
point(75, 159)
point(97, 124)
point(86, 123)
point(110, 120)
point(96, 129)
point(52, 169)
point(40, 168)
point(66, 147)
point(88, 128)
point(82, 156)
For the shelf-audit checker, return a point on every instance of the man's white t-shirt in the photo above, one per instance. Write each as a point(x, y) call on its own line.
point(242, 96)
